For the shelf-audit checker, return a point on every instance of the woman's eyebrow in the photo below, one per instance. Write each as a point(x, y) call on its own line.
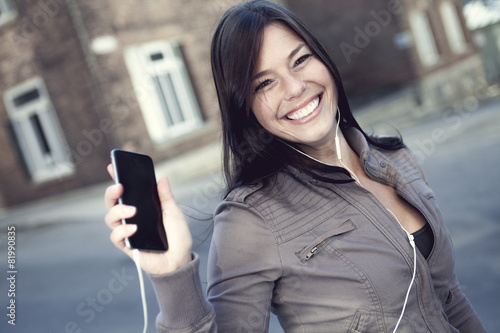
point(290, 56)
point(295, 51)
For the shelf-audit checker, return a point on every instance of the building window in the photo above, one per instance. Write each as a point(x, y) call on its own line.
point(424, 38)
point(7, 12)
point(37, 131)
point(453, 28)
point(163, 89)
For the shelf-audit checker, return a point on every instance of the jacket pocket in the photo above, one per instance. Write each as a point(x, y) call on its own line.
point(320, 242)
point(376, 322)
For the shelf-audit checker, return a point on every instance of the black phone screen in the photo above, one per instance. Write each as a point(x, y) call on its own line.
point(136, 174)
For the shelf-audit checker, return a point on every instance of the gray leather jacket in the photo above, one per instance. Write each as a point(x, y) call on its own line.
point(323, 257)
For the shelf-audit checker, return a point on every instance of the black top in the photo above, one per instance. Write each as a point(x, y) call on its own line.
point(424, 239)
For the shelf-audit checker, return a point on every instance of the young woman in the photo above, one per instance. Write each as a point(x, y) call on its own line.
point(331, 229)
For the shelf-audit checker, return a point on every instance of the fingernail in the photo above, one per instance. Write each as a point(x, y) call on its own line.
point(132, 227)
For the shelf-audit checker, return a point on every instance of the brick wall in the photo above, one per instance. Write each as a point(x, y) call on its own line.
point(41, 42)
point(92, 93)
point(191, 24)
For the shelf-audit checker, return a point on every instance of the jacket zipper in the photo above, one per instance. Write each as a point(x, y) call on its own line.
point(314, 250)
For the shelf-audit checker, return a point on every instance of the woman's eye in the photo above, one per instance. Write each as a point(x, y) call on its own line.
point(262, 85)
point(302, 59)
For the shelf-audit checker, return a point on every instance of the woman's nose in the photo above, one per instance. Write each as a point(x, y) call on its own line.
point(294, 87)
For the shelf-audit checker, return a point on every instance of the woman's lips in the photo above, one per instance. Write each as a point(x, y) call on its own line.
point(305, 111)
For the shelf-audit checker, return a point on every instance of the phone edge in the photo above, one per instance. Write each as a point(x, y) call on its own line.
point(120, 201)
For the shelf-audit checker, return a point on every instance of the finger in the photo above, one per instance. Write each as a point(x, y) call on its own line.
point(111, 171)
point(115, 215)
point(112, 194)
point(119, 234)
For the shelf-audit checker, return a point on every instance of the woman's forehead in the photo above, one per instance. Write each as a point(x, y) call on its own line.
point(276, 31)
point(278, 41)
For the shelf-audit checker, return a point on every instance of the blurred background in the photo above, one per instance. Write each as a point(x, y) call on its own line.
point(79, 78)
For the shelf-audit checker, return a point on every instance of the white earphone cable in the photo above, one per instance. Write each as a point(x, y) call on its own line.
point(339, 152)
point(141, 284)
point(410, 237)
point(412, 243)
point(411, 283)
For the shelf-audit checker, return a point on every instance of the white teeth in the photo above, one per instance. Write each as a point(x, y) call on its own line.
point(305, 111)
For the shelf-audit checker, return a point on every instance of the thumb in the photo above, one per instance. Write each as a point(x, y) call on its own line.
point(164, 189)
point(176, 227)
point(167, 201)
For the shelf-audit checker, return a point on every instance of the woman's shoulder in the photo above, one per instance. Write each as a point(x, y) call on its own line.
point(262, 190)
point(265, 196)
point(244, 211)
point(243, 192)
point(402, 160)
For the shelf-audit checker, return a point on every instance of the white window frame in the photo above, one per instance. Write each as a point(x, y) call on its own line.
point(38, 132)
point(7, 12)
point(163, 89)
point(453, 28)
point(424, 38)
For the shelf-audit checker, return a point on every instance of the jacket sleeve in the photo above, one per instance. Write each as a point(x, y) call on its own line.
point(460, 313)
point(243, 266)
point(183, 307)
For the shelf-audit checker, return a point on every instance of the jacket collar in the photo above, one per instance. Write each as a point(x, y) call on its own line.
point(373, 160)
point(375, 163)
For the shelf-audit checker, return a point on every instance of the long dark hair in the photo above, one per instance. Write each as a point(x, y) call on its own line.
point(251, 153)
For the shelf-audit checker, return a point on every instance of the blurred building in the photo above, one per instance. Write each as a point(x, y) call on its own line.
point(78, 78)
point(419, 55)
point(483, 19)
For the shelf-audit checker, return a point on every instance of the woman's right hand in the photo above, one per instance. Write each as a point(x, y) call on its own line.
point(176, 227)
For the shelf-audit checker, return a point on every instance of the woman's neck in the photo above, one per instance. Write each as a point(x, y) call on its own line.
point(327, 153)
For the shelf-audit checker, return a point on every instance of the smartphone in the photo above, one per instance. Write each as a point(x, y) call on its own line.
point(136, 174)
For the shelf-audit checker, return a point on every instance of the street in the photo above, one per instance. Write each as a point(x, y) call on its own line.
point(70, 278)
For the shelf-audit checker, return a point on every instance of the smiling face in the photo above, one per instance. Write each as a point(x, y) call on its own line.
point(293, 94)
